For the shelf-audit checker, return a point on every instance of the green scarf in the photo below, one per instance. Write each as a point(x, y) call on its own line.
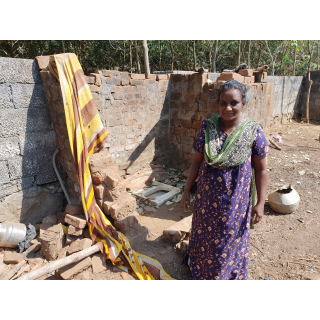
point(235, 149)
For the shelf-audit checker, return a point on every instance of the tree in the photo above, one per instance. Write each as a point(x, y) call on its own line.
point(146, 57)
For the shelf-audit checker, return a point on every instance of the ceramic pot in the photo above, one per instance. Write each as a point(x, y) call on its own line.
point(284, 200)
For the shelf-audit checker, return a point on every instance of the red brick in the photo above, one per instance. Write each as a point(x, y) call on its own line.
point(130, 102)
point(42, 62)
point(204, 96)
point(176, 95)
point(189, 106)
point(117, 103)
point(197, 125)
point(139, 126)
point(79, 245)
point(96, 178)
point(173, 137)
point(218, 84)
point(118, 89)
point(98, 191)
point(162, 77)
point(106, 207)
point(150, 82)
point(110, 73)
point(177, 130)
point(69, 271)
point(151, 76)
point(185, 123)
point(192, 133)
point(98, 264)
point(74, 209)
point(137, 76)
point(137, 82)
point(130, 89)
point(77, 221)
point(230, 76)
point(12, 258)
point(189, 96)
point(178, 138)
point(163, 82)
point(117, 96)
point(130, 122)
point(246, 72)
point(75, 231)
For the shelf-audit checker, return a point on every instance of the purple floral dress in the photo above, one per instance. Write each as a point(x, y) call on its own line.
point(220, 235)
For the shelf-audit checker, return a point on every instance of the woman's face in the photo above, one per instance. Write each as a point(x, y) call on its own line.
point(231, 105)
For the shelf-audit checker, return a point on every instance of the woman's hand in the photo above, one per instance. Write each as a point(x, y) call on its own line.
point(185, 201)
point(257, 213)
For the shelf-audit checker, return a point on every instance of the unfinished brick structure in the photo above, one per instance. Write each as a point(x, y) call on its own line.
point(149, 119)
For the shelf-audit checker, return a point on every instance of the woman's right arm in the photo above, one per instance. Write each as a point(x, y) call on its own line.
point(192, 176)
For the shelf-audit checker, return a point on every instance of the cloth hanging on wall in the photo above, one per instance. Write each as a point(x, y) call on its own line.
point(87, 135)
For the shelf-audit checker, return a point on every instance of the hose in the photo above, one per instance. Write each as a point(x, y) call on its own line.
point(57, 173)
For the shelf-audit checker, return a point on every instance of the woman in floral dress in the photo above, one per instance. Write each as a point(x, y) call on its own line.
point(230, 164)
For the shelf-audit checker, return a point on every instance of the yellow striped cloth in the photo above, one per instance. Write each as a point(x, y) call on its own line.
point(86, 135)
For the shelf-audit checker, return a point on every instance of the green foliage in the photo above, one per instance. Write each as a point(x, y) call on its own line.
point(115, 54)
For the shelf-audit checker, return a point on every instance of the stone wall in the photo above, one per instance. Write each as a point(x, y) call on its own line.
point(28, 191)
point(286, 97)
point(134, 109)
point(314, 101)
point(193, 99)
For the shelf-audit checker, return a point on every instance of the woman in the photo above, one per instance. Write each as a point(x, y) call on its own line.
point(228, 148)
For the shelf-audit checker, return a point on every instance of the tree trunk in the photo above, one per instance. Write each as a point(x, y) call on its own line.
point(210, 58)
point(309, 80)
point(194, 55)
point(124, 55)
point(259, 56)
point(239, 52)
point(172, 55)
point(159, 55)
point(137, 56)
point(295, 59)
point(215, 50)
point(63, 46)
point(318, 56)
point(146, 56)
point(249, 54)
point(130, 53)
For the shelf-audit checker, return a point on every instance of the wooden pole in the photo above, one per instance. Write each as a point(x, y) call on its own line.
point(54, 265)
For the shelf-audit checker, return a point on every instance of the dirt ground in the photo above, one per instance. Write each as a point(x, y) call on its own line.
point(283, 246)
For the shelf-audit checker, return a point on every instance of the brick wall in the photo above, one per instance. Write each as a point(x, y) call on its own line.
point(193, 99)
point(314, 101)
point(27, 143)
point(135, 111)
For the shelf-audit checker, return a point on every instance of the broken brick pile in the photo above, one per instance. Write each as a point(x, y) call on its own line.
point(58, 237)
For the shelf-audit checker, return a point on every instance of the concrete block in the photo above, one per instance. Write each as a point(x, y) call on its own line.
point(30, 205)
point(19, 71)
point(136, 76)
point(5, 97)
point(9, 148)
point(4, 172)
point(51, 242)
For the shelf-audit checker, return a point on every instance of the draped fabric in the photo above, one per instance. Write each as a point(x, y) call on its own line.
point(87, 135)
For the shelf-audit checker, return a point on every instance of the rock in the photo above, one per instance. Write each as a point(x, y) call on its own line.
point(73, 209)
point(68, 271)
point(51, 242)
point(79, 245)
point(50, 220)
point(178, 230)
point(77, 221)
point(12, 258)
point(185, 173)
point(30, 205)
point(126, 276)
point(98, 264)
point(74, 231)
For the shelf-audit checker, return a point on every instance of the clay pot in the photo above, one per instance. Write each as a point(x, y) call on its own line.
point(284, 200)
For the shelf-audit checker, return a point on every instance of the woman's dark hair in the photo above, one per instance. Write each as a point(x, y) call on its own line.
point(233, 84)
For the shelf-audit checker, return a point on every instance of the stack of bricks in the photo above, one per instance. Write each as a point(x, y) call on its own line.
point(134, 109)
point(243, 75)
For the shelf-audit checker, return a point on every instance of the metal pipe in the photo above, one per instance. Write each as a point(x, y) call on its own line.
point(60, 180)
